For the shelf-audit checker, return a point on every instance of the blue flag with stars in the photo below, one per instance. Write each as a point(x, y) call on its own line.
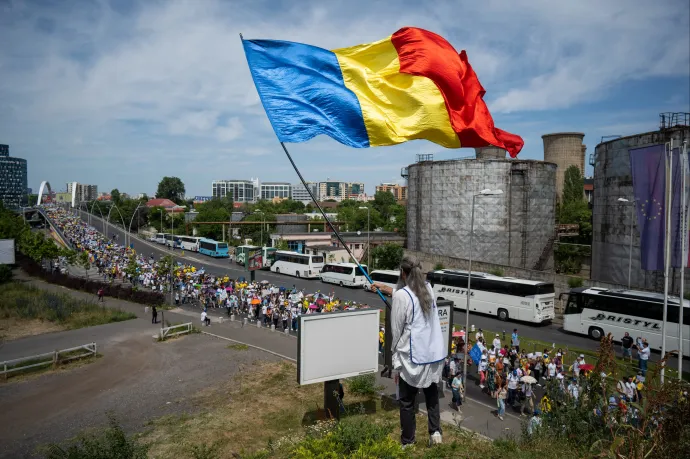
point(475, 354)
point(648, 167)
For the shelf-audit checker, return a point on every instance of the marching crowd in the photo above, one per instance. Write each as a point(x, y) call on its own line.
point(530, 382)
point(269, 304)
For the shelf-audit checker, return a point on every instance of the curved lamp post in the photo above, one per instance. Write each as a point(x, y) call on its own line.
point(129, 229)
point(102, 217)
point(121, 217)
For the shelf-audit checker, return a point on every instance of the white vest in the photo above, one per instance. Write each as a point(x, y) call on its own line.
point(426, 338)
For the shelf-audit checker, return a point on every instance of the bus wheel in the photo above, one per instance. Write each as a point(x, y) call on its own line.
point(341, 283)
point(277, 270)
point(297, 274)
point(596, 333)
point(502, 315)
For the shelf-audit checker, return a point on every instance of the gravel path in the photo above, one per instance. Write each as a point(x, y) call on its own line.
point(137, 380)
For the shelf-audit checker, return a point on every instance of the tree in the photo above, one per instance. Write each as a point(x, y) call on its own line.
point(132, 267)
point(383, 202)
point(70, 256)
point(573, 185)
point(84, 261)
point(282, 244)
point(387, 256)
point(115, 197)
point(157, 218)
point(165, 266)
point(171, 188)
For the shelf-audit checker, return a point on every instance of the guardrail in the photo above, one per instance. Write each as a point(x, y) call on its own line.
point(167, 332)
point(49, 358)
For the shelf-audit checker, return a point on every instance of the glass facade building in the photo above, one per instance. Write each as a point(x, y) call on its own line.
point(270, 190)
point(237, 190)
point(13, 179)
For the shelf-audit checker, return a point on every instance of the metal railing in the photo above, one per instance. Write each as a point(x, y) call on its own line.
point(174, 330)
point(49, 358)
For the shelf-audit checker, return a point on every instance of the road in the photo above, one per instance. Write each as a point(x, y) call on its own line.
point(546, 332)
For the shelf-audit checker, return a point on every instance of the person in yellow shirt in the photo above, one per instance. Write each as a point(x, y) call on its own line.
point(382, 337)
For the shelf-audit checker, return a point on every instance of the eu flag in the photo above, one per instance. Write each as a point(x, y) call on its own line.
point(648, 167)
point(475, 354)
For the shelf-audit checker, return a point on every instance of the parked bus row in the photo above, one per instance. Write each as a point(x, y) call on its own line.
point(193, 244)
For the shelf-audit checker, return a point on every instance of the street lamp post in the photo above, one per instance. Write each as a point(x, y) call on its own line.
point(129, 229)
point(632, 226)
point(121, 218)
point(368, 236)
point(485, 192)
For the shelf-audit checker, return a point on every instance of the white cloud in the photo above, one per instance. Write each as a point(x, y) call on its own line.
point(169, 79)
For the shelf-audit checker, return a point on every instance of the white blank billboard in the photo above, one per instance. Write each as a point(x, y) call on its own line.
point(7, 252)
point(337, 345)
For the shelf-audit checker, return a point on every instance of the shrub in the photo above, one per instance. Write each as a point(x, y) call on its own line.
point(439, 266)
point(112, 442)
point(575, 282)
point(363, 385)
point(496, 272)
point(5, 274)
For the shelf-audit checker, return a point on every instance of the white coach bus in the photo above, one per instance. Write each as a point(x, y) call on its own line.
point(297, 264)
point(597, 312)
point(508, 298)
point(344, 274)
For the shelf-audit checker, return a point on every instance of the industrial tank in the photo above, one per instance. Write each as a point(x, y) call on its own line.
point(564, 149)
point(513, 229)
point(490, 153)
point(612, 219)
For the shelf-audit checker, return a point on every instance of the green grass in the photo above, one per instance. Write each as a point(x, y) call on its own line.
point(237, 347)
point(24, 302)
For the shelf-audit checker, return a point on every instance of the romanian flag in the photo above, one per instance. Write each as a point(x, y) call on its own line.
point(411, 85)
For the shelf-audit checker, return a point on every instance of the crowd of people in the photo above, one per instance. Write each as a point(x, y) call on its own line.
point(515, 378)
point(272, 305)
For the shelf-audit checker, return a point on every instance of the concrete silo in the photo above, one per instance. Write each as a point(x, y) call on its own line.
point(564, 149)
point(514, 229)
point(490, 153)
point(612, 220)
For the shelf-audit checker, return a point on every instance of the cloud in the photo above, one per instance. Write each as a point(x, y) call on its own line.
point(141, 82)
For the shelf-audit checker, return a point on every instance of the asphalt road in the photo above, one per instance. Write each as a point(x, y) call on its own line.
point(545, 332)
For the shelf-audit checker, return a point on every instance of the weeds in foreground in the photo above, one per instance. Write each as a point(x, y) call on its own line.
point(110, 443)
point(364, 385)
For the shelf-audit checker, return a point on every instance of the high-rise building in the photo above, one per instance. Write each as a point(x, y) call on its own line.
point(300, 193)
point(339, 191)
point(270, 190)
point(398, 191)
point(85, 193)
point(13, 179)
point(237, 190)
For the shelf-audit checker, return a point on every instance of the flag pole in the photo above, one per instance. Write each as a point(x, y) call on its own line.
point(388, 337)
point(683, 256)
point(667, 247)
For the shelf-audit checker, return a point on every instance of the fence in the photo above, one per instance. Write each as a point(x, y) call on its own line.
point(167, 332)
point(49, 358)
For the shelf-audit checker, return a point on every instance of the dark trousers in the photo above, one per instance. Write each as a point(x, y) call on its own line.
point(154, 318)
point(512, 395)
point(408, 394)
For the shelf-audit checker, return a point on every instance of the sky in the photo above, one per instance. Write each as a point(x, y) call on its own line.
point(120, 93)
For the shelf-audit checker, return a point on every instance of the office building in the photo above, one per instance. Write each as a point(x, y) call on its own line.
point(13, 179)
point(237, 190)
point(398, 191)
point(300, 193)
point(270, 190)
point(339, 191)
point(85, 193)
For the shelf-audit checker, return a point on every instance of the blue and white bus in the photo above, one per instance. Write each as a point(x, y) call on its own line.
point(213, 248)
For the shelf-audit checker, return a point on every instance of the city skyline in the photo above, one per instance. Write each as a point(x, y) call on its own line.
point(149, 90)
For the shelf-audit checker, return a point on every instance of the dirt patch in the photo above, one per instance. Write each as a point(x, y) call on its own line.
point(13, 328)
point(136, 379)
point(263, 402)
